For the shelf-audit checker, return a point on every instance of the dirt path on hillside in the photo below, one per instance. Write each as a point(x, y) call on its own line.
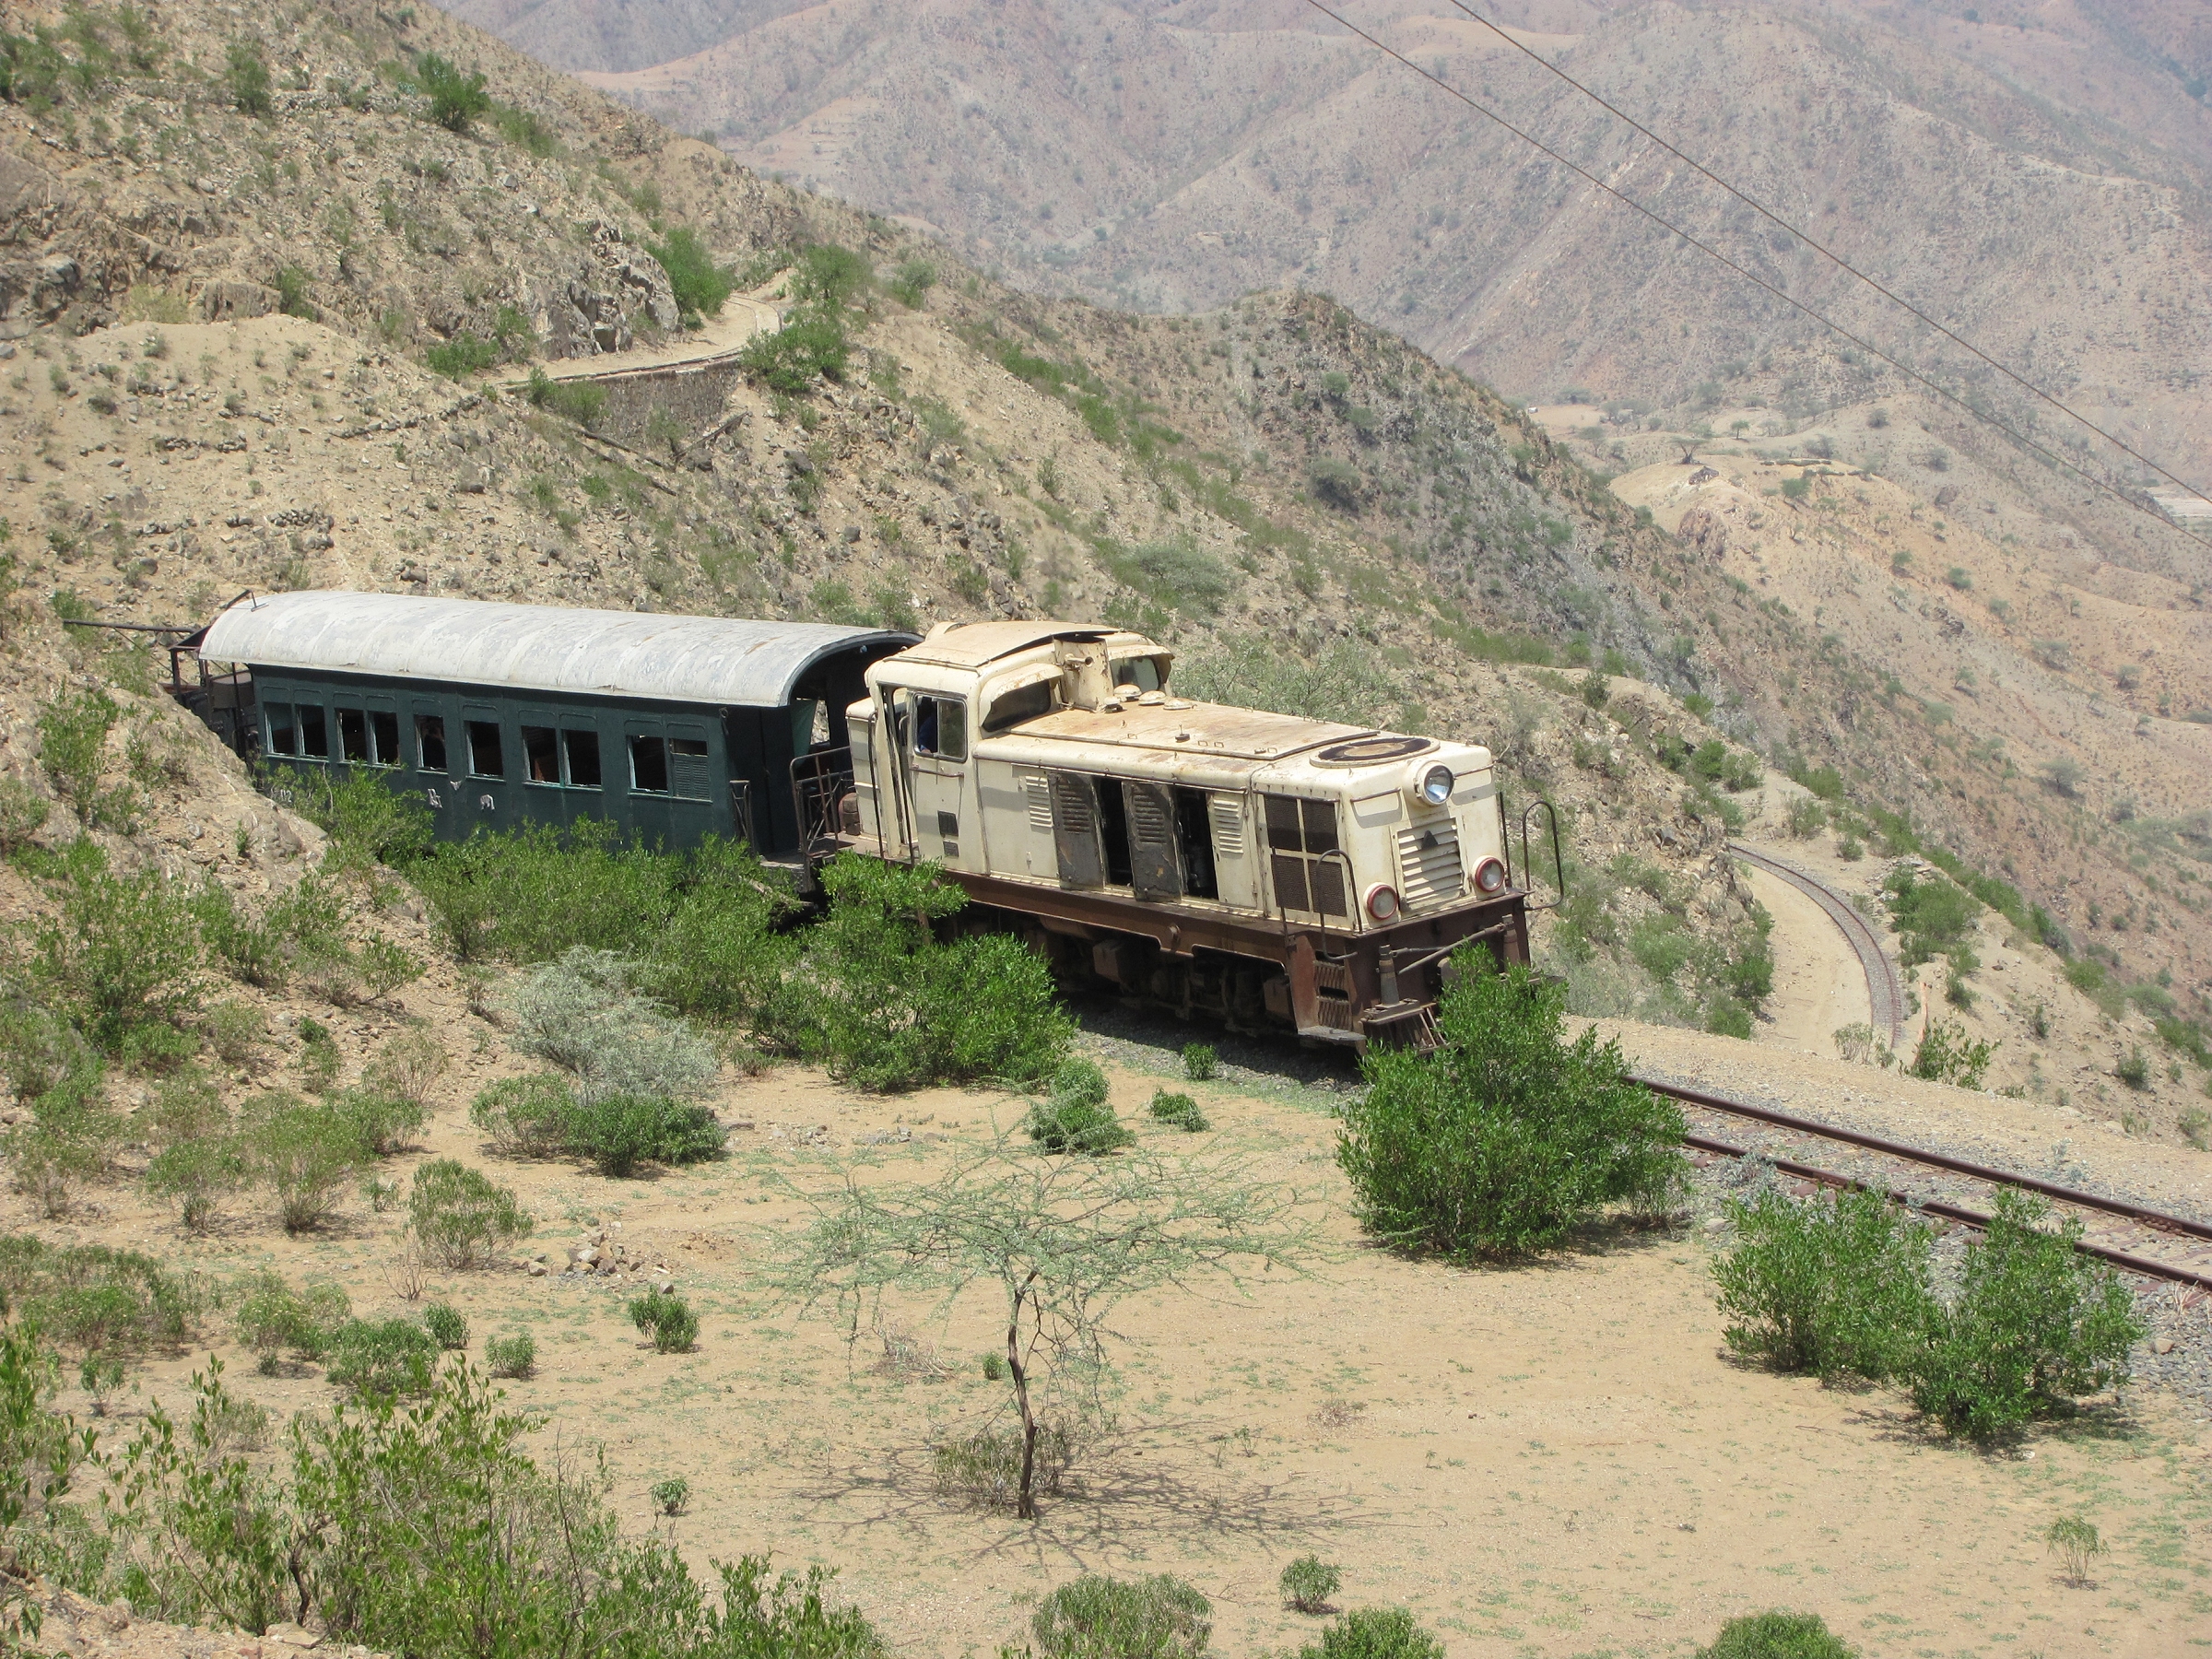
point(1819, 983)
point(742, 317)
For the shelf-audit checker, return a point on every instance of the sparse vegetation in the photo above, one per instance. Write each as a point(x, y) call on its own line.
point(1308, 1582)
point(666, 1320)
point(1777, 1636)
point(1374, 1633)
point(461, 1215)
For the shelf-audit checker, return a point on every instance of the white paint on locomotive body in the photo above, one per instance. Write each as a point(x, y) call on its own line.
point(1057, 756)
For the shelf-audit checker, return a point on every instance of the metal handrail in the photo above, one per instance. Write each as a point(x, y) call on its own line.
point(815, 779)
point(1559, 861)
point(741, 811)
point(1351, 898)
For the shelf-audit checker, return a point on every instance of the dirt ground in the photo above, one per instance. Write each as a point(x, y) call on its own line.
point(1819, 985)
point(1554, 1460)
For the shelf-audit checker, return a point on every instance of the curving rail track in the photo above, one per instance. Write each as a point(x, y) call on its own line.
point(2116, 1231)
point(1883, 991)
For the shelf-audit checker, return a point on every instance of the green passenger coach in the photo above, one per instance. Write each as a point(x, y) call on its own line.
point(672, 728)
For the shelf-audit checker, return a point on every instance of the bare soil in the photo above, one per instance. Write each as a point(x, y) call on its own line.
point(1549, 1460)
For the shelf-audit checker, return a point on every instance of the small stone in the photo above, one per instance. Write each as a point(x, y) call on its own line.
point(851, 533)
point(667, 1287)
point(2164, 1345)
point(1715, 1224)
point(292, 1636)
point(537, 1270)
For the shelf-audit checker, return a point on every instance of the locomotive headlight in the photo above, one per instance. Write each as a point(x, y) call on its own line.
point(1383, 903)
point(1436, 785)
point(1490, 876)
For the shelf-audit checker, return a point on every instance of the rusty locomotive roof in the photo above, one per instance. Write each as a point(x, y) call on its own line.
point(1213, 730)
point(972, 644)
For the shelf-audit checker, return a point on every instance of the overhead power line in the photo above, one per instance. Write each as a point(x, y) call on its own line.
point(1752, 276)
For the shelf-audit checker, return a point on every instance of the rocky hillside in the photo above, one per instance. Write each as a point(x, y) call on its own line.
point(282, 385)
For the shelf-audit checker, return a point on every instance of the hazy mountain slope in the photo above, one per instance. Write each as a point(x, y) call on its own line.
point(1173, 157)
point(617, 34)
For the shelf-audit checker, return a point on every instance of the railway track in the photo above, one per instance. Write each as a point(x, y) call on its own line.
point(2115, 1231)
point(1883, 991)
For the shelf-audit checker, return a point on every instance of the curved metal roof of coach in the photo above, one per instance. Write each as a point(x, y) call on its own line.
point(534, 647)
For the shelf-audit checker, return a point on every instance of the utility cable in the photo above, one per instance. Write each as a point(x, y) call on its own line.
point(1945, 392)
point(1827, 252)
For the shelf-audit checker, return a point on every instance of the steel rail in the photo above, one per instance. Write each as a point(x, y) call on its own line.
point(2158, 1220)
point(1952, 1212)
point(1885, 995)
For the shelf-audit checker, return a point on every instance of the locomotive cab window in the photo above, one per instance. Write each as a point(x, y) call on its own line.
point(1302, 850)
point(1009, 709)
point(429, 742)
point(280, 732)
point(941, 727)
point(1141, 672)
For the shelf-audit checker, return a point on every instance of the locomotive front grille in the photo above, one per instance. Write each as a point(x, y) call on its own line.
point(1430, 872)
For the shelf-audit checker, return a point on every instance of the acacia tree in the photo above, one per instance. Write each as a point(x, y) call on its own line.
point(1065, 1239)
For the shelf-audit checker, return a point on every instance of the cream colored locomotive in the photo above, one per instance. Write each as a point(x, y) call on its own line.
point(1269, 870)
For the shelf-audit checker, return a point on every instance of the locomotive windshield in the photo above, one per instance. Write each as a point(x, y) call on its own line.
point(1142, 672)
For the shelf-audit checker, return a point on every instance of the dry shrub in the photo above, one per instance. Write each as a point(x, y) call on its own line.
point(984, 1468)
point(408, 1065)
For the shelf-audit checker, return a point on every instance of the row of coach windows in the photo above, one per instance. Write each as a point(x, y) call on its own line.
point(562, 757)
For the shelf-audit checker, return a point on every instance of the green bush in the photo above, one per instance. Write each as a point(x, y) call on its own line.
point(1777, 1636)
point(887, 1005)
point(73, 741)
point(699, 285)
point(527, 1116)
point(621, 1132)
point(912, 281)
point(1094, 1617)
point(1178, 1110)
point(586, 1013)
point(293, 284)
point(305, 1153)
point(1506, 1137)
point(456, 97)
point(513, 1356)
point(122, 954)
point(94, 1299)
point(579, 401)
point(809, 346)
point(384, 1122)
point(448, 1329)
point(460, 1216)
point(1806, 817)
point(1199, 1062)
point(670, 1496)
point(383, 1356)
point(1947, 1054)
point(2035, 1324)
point(1932, 914)
point(196, 1175)
point(1308, 1582)
point(274, 1319)
point(1065, 1126)
point(2134, 1071)
point(667, 1320)
point(1374, 1633)
point(1832, 1285)
point(23, 813)
point(246, 78)
point(463, 354)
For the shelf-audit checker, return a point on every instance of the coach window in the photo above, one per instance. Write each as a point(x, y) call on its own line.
point(688, 774)
point(429, 742)
point(541, 755)
point(941, 727)
point(279, 732)
point(384, 733)
point(353, 735)
point(315, 733)
point(484, 758)
point(649, 765)
point(580, 750)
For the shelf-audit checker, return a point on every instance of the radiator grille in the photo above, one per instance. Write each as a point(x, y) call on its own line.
point(1428, 866)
